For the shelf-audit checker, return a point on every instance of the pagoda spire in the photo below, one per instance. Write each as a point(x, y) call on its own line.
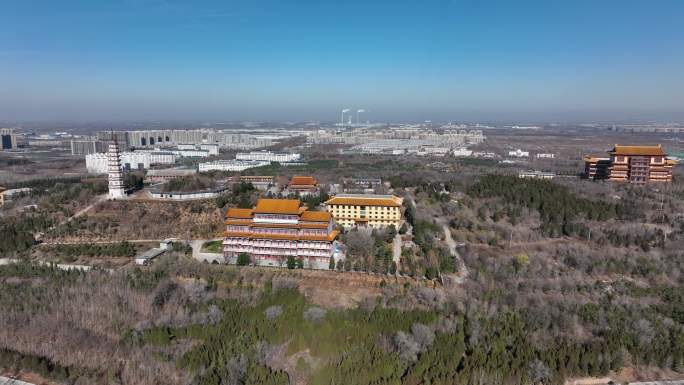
point(116, 185)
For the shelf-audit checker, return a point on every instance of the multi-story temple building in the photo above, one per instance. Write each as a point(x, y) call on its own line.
point(350, 210)
point(632, 164)
point(303, 186)
point(596, 167)
point(279, 228)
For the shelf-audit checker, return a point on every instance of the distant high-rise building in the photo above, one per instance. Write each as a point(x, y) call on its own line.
point(121, 138)
point(87, 146)
point(8, 139)
point(116, 185)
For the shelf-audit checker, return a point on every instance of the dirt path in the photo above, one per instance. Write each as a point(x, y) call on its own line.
point(462, 268)
point(98, 200)
point(396, 251)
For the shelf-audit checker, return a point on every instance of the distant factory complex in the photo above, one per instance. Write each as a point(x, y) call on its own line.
point(398, 140)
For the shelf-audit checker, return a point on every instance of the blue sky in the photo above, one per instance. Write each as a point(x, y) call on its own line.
point(272, 60)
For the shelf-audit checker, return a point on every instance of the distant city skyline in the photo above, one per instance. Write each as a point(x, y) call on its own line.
point(528, 61)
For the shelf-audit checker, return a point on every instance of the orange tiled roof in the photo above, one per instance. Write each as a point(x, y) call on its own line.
point(330, 237)
point(239, 213)
point(318, 225)
point(365, 200)
point(303, 181)
point(594, 158)
point(638, 150)
point(315, 216)
point(238, 222)
point(277, 206)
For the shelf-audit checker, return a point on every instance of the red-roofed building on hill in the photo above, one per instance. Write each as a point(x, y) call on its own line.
point(303, 186)
point(632, 164)
point(279, 228)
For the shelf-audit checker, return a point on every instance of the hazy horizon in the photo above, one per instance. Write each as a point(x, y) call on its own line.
point(529, 61)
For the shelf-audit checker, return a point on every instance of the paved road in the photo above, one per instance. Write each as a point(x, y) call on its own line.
point(197, 253)
point(61, 266)
point(100, 242)
point(10, 381)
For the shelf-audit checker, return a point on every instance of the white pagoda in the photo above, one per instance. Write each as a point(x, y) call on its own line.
point(116, 184)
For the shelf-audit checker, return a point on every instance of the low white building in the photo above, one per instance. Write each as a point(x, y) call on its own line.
point(280, 157)
point(231, 165)
point(168, 174)
point(162, 157)
point(147, 257)
point(484, 154)
point(8, 195)
point(519, 153)
point(462, 152)
point(133, 160)
point(213, 149)
point(432, 151)
point(546, 156)
point(533, 174)
point(97, 163)
point(194, 153)
point(156, 192)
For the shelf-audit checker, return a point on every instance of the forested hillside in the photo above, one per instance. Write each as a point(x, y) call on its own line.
point(187, 323)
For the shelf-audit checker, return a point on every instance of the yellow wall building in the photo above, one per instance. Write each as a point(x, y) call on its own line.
point(376, 211)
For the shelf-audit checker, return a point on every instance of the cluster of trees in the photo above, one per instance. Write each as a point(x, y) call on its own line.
point(435, 257)
point(241, 195)
point(369, 250)
point(312, 201)
point(438, 192)
point(189, 183)
point(44, 183)
point(120, 249)
point(643, 238)
point(133, 180)
point(18, 232)
point(378, 345)
point(242, 333)
point(559, 209)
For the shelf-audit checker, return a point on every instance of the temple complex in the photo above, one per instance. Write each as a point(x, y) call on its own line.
point(277, 229)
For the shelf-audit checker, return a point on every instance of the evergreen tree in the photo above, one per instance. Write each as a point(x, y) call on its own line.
point(243, 259)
